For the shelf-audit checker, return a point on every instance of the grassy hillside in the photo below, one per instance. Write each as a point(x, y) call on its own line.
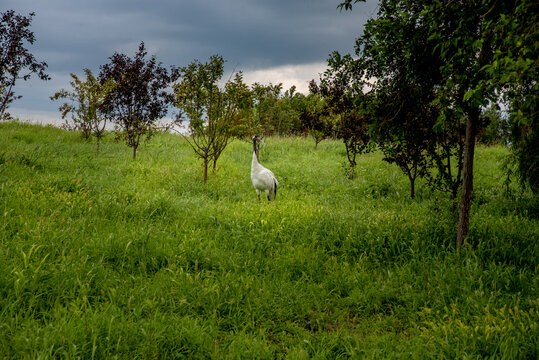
point(105, 257)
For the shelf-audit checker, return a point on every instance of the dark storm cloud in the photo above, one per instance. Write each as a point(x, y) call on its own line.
point(250, 34)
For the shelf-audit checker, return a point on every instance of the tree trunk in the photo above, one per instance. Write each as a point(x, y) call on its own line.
point(412, 187)
point(467, 178)
point(6, 98)
point(351, 157)
point(205, 169)
point(134, 152)
point(467, 174)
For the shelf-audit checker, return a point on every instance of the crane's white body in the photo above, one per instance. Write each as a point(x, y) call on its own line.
point(262, 178)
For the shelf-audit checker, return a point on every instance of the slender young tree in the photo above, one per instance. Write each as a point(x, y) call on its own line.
point(344, 98)
point(317, 119)
point(16, 61)
point(397, 62)
point(320, 125)
point(446, 153)
point(86, 104)
point(212, 111)
point(140, 97)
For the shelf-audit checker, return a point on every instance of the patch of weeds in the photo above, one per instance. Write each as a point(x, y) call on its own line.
point(377, 190)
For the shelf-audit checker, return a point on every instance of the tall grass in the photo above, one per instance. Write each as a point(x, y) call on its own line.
point(105, 257)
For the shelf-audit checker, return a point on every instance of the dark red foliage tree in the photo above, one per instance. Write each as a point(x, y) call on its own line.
point(141, 96)
point(16, 62)
point(344, 97)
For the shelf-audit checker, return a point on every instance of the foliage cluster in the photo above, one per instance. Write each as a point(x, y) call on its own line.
point(16, 61)
point(214, 113)
point(139, 98)
point(431, 69)
point(85, 104)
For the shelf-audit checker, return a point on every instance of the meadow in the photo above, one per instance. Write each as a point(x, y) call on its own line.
point(103, 256)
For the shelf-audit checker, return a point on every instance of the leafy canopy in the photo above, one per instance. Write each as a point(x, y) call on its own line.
point(16, 61)
point(85, 103)
point(141, 96)
point(215, 114)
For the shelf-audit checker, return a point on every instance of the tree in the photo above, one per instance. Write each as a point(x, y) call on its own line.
point(213, 112)
point(353, 130)
point(85, 104)
point(524, 159)
point(344, 97)
point(466, 45)
point(495, 128)
point(238, 104)
point(140, 97)
point(289, 108)
point(446, 153)
point(265, 99)
point(513, 73)
point(401, 123)
point(463, 44)
point(397, 61)
point(317, 119)
point(15, 58)
point(525, 153)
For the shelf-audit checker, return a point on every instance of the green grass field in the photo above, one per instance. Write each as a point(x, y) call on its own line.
point(103, 256)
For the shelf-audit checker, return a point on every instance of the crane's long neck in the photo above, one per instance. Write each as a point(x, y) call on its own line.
point(254, 163)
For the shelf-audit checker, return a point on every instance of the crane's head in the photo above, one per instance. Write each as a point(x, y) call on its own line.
point(255, 140)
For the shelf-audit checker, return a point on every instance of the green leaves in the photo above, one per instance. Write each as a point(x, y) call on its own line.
point(468, 94)
point(434, 36)
point(85, 103)
point(212, 111)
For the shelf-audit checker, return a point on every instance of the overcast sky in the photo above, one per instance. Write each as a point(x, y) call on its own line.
point(271, 41)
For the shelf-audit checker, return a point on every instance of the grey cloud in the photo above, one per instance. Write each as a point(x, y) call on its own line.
point(252, 34)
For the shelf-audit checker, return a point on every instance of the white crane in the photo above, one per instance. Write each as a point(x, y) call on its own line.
point(262, 178)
